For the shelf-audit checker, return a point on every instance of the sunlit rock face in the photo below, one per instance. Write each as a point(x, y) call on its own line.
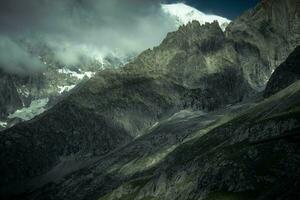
point(184, 14)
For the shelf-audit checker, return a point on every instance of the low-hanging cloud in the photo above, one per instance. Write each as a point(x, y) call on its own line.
point(15, 59)
point(72, 28)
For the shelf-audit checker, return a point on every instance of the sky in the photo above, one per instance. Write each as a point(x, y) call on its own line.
point(226, 8)
point(95, 28)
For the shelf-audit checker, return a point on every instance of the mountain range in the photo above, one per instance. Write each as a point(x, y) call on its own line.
point(208, 114)
point(38, 92)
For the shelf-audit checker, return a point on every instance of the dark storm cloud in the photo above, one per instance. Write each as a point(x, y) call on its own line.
point(75, 27)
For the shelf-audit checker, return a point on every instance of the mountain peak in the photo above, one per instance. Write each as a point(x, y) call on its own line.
point(185, 14)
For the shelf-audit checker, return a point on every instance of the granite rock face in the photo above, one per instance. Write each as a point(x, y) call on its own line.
point(286, 74)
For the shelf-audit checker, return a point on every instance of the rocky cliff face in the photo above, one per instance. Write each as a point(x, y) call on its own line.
point(269, 32)
point(286, 74)
point(253, 44)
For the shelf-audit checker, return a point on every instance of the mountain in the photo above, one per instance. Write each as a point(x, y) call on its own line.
point(270, 31)
point(183, 14)
point(58, 78)
point(35, 93)
point(200, 58)
point(177, 122)
point(245, 151)
point(284, 75)
point(252, 156)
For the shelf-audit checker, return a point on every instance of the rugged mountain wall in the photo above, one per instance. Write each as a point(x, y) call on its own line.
point(284, 75)
point(269, 32)
point(253, 154)
point(200, 58)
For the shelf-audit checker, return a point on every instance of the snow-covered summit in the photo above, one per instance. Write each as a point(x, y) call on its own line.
point(184, 14)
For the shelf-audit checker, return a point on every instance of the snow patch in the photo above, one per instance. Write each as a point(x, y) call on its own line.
point(183, 14)
point(67, 88)
point(154, 125)
point(36, 107)
point(3, 124)
point(23, 91)
point(77, 75)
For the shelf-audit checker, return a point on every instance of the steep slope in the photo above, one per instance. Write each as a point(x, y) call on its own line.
point(107, 113)
point(254, 45)
point(269, 32)
point(118, 105)
point(254, 156)
point(200, 58)
point(287, 73)
point(248, 154)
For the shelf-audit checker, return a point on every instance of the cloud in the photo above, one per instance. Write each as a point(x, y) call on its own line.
point(73, 27)
point(16, 59)
point(77, 29)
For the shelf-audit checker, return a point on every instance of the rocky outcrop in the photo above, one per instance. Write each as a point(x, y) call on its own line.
point(286, 74)
point(9, 97)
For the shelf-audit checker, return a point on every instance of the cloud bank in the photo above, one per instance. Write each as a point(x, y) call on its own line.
point(15, 59)
point(74, 27)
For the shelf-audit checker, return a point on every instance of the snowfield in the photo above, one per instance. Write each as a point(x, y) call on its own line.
point(184, 14)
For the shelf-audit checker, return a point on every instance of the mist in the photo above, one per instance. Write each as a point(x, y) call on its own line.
point(75, 28)
point(15, 59)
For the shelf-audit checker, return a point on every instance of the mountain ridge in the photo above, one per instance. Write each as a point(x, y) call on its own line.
point(122, 107)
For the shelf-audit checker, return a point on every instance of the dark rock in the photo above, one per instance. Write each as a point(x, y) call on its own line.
point(286, 74)
point(9, 97)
